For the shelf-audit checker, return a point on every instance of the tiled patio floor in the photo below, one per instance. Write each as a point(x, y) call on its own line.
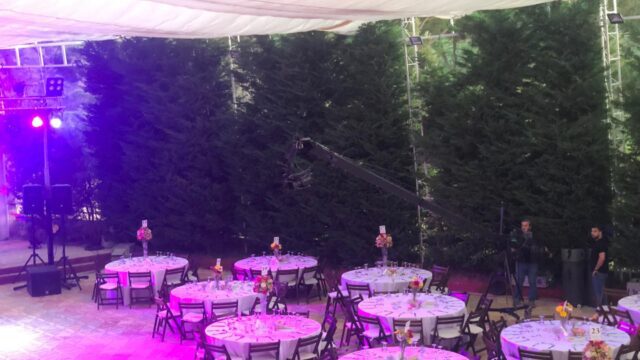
point(68, 326)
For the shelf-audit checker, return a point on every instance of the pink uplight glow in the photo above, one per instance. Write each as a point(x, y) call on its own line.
point(37, 122)
point(15, 338)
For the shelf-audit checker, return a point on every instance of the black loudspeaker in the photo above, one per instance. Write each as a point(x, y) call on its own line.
point(32, 200)
point(61, 200)
point(43, 280)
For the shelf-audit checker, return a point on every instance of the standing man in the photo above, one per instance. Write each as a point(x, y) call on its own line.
point(599, 262)
point(527, 257)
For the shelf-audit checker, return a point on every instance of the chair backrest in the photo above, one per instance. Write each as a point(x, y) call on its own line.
point(186, 308)
point(622, 316)
point(449, 321)
point(103, 277)
point(211, 350)
point(273, 348)
point(534, 355)
point(369, 320)
point(256, 272)
point(357, 289)
point(287, 276)
point(329, 326)
point(174, 277)
point(140, 277)
point(606, 314)
point(311, 343)
point(237, 274)
point(627, 349)
point(497, 326)
point(309, 274)
point(414, 325)
point(301, 313)
point(223, 310)
point(575, 355)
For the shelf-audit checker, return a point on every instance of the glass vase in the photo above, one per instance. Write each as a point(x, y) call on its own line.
point(385, 254)
point(145, 249)
point(263, 304)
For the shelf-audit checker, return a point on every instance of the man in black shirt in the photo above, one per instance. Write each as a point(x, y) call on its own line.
point(527, 257)
point(599, 262)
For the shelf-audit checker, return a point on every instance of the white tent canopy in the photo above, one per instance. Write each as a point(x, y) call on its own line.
point(29, 21)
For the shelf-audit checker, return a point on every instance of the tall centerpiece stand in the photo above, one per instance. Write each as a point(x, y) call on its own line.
point(217, 273)
point(384, 241)
point(262, 285)
point(276, 247)
point(144, 235)
point(405, 337)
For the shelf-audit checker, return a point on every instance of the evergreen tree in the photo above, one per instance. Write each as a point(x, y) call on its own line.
point(346, 93)
point(156, 130)
point(521, 123)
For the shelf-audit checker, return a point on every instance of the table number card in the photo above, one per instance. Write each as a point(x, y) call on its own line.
point(145, 223)
point(276, 240)
point(265, 270)
point(383, 229)
point(595, 333)
point(218, 262)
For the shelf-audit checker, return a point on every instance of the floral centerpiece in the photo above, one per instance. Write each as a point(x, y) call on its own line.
point(564, 310)
point(384, 241)
point(144, 235)
point(415, 285)
point(276, 247)
point(217, 273)
point(404, 337)
point(596, 350)
point(262, 285)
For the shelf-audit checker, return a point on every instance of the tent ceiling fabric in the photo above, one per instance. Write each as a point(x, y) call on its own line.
point(29, 21)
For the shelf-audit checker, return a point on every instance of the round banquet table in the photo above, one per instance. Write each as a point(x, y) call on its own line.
point(399, 306)
point(548, 335)
point(379, 281)
point(237, 333)
point(411, 352)
point(157, 265)
point(287, 262)
point(632, 304)
point(207, 293)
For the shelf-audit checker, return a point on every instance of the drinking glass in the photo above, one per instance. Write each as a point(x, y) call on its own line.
point(366, 266)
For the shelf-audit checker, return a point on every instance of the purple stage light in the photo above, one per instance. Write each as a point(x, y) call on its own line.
point(37, 122)
point(55, 123)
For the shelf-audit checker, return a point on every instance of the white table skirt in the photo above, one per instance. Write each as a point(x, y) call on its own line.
point(157, 265)
point(203, 292)
point(548, 335)
point(380, 281)
point(397, 306)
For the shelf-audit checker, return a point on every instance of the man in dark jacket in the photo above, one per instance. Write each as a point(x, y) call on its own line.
point(527, 251)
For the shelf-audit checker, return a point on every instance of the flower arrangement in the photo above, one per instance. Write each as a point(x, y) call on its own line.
point(404, 335)
point(415, 284)
point(596, 350)
point(384, 241)
point(144, 234)
point(275, 246)
point(217, 269)
point(564, 310)
point(263, 284)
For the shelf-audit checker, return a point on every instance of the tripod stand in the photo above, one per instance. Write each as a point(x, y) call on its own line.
point(68, 272)
point(32, 258)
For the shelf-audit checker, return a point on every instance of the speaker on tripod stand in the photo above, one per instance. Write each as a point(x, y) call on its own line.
point(32, 206)
point(61, 204)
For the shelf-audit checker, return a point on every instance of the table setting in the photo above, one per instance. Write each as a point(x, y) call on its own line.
point(385, 279)
point(157, 265)
point(559, 337)
point(237, 333)
point(207, 292)
point(425, 307)
point(275, 263)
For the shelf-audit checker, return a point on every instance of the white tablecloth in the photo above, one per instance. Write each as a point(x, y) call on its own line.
point(157, 265)
point(400, 306)
point(631, 303)
point(417, 353)
point(287, 262)
point(381, 281)
point(236, 334)
point(207, 293)
point(548, 335)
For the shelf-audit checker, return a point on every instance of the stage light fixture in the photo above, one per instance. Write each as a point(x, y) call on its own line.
point(415, 40)
point(55, 86)
point(55, 122)
point(37, 122)
point(615, 18)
